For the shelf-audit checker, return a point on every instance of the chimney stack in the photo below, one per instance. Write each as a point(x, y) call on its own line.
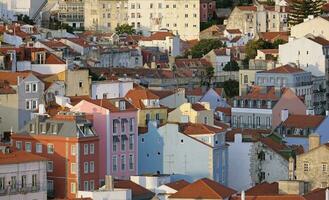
point(313, 141)
point(109, 185)
point(243, 195)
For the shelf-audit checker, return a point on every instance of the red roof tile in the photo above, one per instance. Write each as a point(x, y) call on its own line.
point(198, 107)
point(234, 31)
point(303, 121)
point(271, 197)
point(264, 189)
point(285, 69)
point(194, 92)
point(225, 110)
point(138, 192)
point(203, 189)
point(272, 36)
point(247, 8)
point(12, 77)
point(263, 93)
point(316, 194)
point(177, 185)
point(16, 157)
point(269, 51)
point(158, 36)
point(319, 40)
point(198, 129)
point(137, 95)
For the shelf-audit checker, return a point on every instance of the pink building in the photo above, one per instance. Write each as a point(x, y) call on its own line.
point(115, 121)
point(207, 10)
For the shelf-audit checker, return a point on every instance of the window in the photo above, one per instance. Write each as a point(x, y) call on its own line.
point(73, 168)
point(73, 150)
point(151, 5)
point(85, 149)
point(80, 84)
point(157, 116)
point(115, 146)
point(131, 162)
point(115, 128)
point(28, 105)
point(23, 181)
point(50, 185)
point(123, 162)
point(27, 87)
point(131, 142)
point(53, 129)
point(85, 168)
point(19, 145)
point(123, 145)
point(43, 127)
point(131, 124)
point(28, 146)
point(34, 87)
point(92, 148)
point(306, 166)
point(50, 166)
point(174, 5)
point(13, 182)
point(92, 185)
point(324, 167)
point(123, 127)
point(86, 185)
point(34, 104)
point(73, 188)
point(132, 15)
point(114, 163)
point(34, 180)
point(205, 120)
point(38, 148)
point(50, 148)
point(92, 167)
point(245, 79)
point(2, 183)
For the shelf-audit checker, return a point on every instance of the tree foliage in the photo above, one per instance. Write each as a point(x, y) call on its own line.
point(231, 66)
point(231, 88)
point(26, 19)
point(253, 45)
point(206, 80)
point(301, 9)
point(203, 47)
point(125, 28)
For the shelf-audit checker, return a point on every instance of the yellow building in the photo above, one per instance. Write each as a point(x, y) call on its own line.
point(149, 108)
point(312, 166)
point(194, 113)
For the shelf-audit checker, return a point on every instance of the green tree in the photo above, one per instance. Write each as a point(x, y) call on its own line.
point(277, 42)
point(203, 47)
point(231, 66)
point(26, 19)
point(125, 28)
point(206, 80)
point(253, 45)
point(224, 3)
point(301, 9)
point(231, 88)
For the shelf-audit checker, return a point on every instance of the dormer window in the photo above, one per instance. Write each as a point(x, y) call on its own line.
point(41, 58)
point(122, 105)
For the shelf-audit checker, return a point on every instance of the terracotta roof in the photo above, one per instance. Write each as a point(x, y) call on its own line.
point(247, 8)
point(54, 44)
point(177, 185)
point(275, 146)
point(203, 189)
point(221, 124)
point(12, 77)
point(235, 39)
point(269, 51)
point(319, 40)
point(79, 41)
point(16, 157)
point(198, 107)
point(137, 95)
point(198, 129)
point(219, 91)
point(264, 188)
point(138, 192)
point(263, 93)
point(272, 36)
point(303, 121)
point(220, 52)
point(234, 31)
point(225, 110)
point(285, 69)
point(194, 92)
point(158, 36)
point(53, 59)
point(163, 93)
point(5, 88)
point(191, 62)
point(248, 134)
point(271, 197)
point(316, 194)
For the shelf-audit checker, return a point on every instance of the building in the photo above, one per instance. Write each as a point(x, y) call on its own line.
point(71, 12)
point(203, 189)
point(9, 9)
point(218, 58)
point(78, 45)
point(22, 175)
point(166, 41)
point(312, 166)
point(181, 17)
point(115, 121)
point(165, 190)
point(316, 26)
point(20, 96)
point(70, 145)
point(207, 10)
point(215, 97)
point(171, 98)
point(173, 149)
point(151, 181)
point(264, 107)
point(288, 76)
point(213, 32)
point(252, 20)
point(105, 15)
point(247, 78)
point(148, 105)
point(265, 160)
point(110, 89)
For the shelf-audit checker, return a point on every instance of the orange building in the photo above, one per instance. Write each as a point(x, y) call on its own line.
point(68, 141)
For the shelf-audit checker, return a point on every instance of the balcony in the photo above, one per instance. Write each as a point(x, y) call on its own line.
point(20, 190)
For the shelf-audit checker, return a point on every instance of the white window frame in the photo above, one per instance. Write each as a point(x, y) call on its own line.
point(86, 185)
point(73, 187)
point(73, 168)
point(20, 144)
point(92, 167)
point(73, 150)
point(30, 144)
point(92, 148)
point(38, 148)
point(52, 166)
point(85, 149)
point(86, 167)
point(53, 148)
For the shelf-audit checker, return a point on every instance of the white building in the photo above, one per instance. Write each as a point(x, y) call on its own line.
point(110, 89)
point(178, 16)
point(318, 26)
point(22, 175)
point(166, 41)
point(10, 8)
point(151, 182)
point(218, 58)
point(309, 53)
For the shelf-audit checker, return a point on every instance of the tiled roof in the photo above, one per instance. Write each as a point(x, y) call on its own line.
point(303, 121)
point(264, 188)
point(79, 41)
point(162, 93)
point(198, 129)
point(137, 95)
point(16, 157)
point(203, 189)
point(158, 36)
point(274, 145)
point(269, 51)
point(194, 92)
point(191, 62)
point(220, 52)
point(271, 197)
point(234, 31)
point(285, 69)
point(318, 39)
point(198, 107)
point(247, 8)
point(54, 44)
point(235, 39)
point(225, 110)
point(316, 194)
point(138, 192)
point(177, 185)
point(5, 88)
point(221, 124)
point(272, 36)
point(263, 93)
point(249, 134)
point(12, 77)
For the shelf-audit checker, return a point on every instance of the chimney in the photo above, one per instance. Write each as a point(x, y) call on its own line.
point(284, 115)
point(313, 141)
point(109, 185)
point(327, 194)
point(243, 195)
point(42, 109)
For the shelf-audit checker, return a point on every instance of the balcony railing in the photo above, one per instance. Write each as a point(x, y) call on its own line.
point(10, 190)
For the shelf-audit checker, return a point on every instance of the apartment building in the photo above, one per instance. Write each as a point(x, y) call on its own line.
point(207, 10)
point(115, 121)
point(181, 17)
point(70, 145)
point(71, 12)
point(262, 107)
point(9, 9)
point(22, 175)
point(105, 15)
point(110, 89)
